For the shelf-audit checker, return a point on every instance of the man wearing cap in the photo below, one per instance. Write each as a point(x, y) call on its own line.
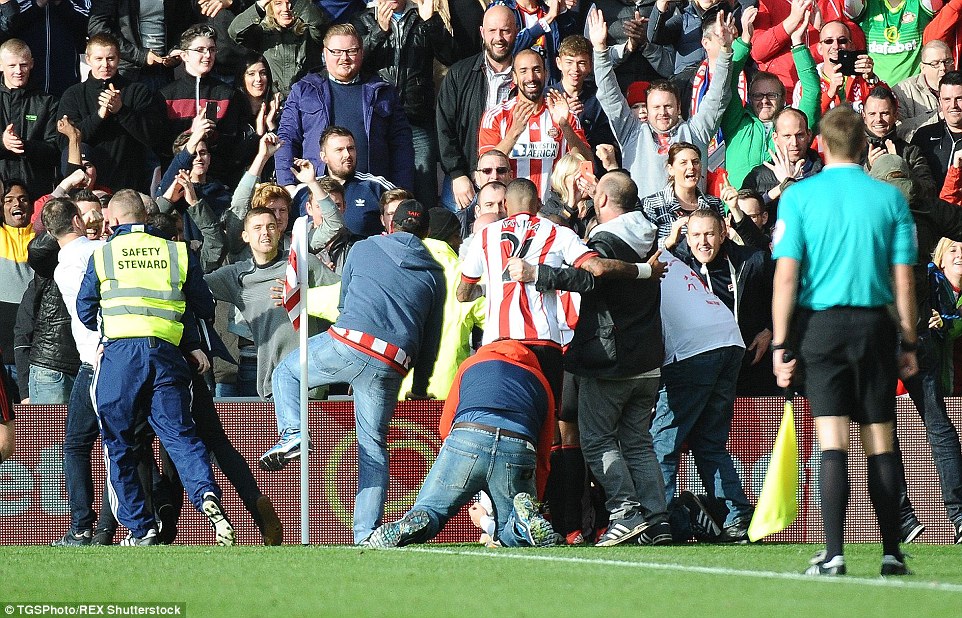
point(118, 118)
point(392, 304)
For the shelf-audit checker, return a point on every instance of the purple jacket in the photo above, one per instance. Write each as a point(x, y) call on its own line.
point(307, 112)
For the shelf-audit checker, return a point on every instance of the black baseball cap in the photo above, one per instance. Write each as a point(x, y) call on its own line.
point(411, 216)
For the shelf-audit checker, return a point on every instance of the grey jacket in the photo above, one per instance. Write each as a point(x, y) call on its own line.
point(918, 106)
point(638, 140)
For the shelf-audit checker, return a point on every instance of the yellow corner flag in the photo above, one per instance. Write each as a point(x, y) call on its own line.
point(778, 502)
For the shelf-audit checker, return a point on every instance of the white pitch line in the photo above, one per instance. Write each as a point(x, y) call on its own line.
point(658, 566)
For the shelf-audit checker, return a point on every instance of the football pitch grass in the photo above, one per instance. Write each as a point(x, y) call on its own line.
point(469, 581)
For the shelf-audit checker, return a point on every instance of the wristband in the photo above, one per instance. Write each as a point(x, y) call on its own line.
point(778, 346)
point(644, 270)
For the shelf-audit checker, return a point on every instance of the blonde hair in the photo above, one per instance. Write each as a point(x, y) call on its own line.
point(267, 192)
point(940, 250)
point(270, 21)
point(565, 167)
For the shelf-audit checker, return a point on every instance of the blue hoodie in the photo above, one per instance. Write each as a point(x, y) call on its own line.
point(393, 289)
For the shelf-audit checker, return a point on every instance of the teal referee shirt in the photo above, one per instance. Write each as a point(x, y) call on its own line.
point(846, 230)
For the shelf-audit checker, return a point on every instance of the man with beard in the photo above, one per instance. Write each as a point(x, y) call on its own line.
point(939, 141)
point(535, 130)
point(880, 112)
point(471, 87)
point(362, 192)
point(836, 87)
point(792, 159)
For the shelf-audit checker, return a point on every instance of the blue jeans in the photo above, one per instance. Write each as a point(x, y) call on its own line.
point(470, 461)
point(49, 385)
point(245, 384)
point(78, 442)
point(376, 387)
point(925, 388)
point(695, 405)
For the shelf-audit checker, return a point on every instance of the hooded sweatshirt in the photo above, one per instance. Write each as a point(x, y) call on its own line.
point(394, 290)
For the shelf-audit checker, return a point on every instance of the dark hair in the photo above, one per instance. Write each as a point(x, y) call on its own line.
point(196, 31)
point(843, 133)
point(952, 78)
point(247, 62)
point(708, 213)
point(664, 85)
point(524, 195)
point(165, 223)
point(9, 183)
point(493, 183)
point(677, 147)
point(751, 194)
point(84, 195)
point(57, 216)
point(766, 76)
point(329, 185)
point(885, 93)
point(103, 39)
point(260, 210)
point(332, 131)
point(621, 190)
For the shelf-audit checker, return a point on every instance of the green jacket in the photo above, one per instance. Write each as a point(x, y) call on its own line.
point(748, 139)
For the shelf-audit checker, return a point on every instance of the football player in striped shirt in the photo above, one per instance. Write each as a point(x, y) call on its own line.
point(535, 129)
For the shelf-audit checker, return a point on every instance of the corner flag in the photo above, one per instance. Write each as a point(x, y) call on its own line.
point(778, 501)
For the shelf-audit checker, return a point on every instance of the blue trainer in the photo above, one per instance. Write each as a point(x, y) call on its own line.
point(287, 449)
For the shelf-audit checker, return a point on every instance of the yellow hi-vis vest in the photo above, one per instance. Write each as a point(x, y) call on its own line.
point(141, 277)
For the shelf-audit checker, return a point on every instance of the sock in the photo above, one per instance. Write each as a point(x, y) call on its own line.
point(573, 480)
point(883, 487)
point(834, 490)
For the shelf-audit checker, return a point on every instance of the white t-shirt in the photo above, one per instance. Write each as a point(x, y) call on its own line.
point(71, 266)
point(693, 320)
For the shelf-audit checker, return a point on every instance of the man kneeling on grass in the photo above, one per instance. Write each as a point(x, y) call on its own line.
point(499, 411)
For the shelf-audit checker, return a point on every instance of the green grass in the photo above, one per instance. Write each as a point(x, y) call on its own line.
point(470, 581)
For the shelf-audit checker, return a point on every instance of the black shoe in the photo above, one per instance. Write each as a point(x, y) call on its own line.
point(167, 520)
point(736, 532)
point(656, 534)
point(148, 539)
point(103, 537)
point(622, 530)
point(894, 565)
point(703, 524)
point(73, 539)
point(821, 566)
point(911, 529)
point(958, 532)
point(272, 531)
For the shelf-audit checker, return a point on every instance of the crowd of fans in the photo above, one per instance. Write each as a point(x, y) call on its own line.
point(232, 118)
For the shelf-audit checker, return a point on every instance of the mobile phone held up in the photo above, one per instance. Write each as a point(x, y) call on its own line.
point(210, 111)
point(846, 60)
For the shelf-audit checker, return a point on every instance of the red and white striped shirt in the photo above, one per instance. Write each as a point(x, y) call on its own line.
point(517, 310)
point(538, 148)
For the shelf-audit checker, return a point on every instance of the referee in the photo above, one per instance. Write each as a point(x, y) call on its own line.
point(842, 241)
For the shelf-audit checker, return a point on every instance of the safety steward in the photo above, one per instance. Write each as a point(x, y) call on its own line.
point(140, 286)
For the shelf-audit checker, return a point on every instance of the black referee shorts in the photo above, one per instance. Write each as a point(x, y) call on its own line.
point(848, 359)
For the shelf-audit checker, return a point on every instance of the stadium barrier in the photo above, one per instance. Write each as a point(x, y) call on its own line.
point(34, 508)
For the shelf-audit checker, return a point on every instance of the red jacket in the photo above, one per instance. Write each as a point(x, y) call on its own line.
point(947, 26)
point(509, 351)
point(772, 46)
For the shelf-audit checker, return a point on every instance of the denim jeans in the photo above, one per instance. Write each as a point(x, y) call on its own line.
point(472, 460)
point(49, 385)
point(613, 418)
point(376, 387)
point(81, 433)
point(695, 405)
point(925, 388)
point(426, 157)
point(245, 384)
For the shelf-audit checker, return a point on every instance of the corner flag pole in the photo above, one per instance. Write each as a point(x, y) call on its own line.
point(300, 237)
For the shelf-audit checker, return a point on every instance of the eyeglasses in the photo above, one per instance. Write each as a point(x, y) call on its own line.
point(940, 63)
point(350, 53)
point(771, 96)
point(203, 51)
point(842, 40)
point(492, 170)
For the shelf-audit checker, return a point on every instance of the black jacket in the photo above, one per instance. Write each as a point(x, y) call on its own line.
point(404, 57)
point(763, 180)
point(56, 35)
point(460, 107)
point(33, 115)
point(120, 140)
point(52, 345)
point(121, 18)
point(921, 173)
point(937, 144)
point(619, 327)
